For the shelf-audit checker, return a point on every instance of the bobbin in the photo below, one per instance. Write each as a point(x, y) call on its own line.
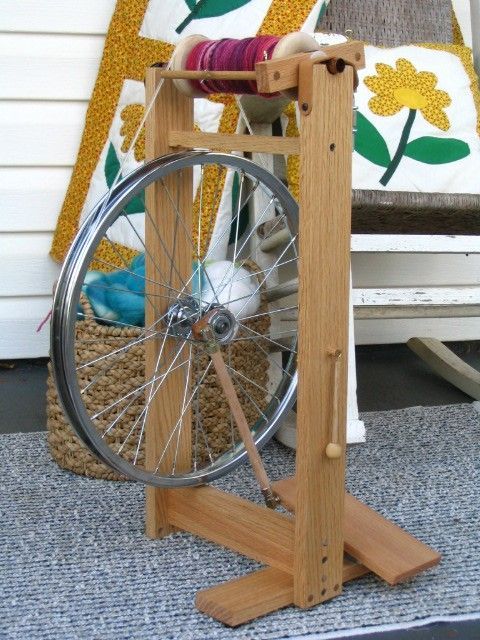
point(292, 43)
point(179, 63)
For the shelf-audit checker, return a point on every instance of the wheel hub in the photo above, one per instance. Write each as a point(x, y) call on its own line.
point(183, 314)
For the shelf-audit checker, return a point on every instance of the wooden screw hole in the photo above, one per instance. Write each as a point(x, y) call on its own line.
point(336, 587)
point(324, 559)
point(276, 75)
point(310, 598)
point(332, 147)
point(323, 592)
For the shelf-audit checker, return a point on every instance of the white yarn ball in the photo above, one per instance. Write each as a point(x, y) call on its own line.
point(235, 288)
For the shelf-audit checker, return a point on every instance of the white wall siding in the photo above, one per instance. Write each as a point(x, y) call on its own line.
point(31, 197)
point(49, 57)
point(40, 134)
point(56, 16)
point(29, 63)
point(19, 319)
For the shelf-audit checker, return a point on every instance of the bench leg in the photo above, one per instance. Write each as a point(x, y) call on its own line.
point(447, 365)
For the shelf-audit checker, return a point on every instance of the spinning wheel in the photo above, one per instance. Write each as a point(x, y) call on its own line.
point(196, 320)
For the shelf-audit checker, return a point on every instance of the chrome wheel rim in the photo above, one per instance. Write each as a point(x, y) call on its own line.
point(72, 280)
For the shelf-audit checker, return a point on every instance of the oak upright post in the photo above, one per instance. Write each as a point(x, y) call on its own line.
point(164, 239)
point(325, 213)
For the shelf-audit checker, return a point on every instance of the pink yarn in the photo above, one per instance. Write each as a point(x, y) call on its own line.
point(230, 55)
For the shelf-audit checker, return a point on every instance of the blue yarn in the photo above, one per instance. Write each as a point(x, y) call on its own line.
point(118, 296)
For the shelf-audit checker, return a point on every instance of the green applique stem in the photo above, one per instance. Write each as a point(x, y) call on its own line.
point(208, 9)
point(395, 161)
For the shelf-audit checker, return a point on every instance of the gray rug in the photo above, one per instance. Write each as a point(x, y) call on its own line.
point(74, 562)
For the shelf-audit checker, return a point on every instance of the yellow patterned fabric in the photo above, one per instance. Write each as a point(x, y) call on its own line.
point(464, 54)
point(138, 37)
point(132, 116)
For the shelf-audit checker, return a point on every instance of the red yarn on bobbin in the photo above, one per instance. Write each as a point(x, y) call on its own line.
point(229, 54)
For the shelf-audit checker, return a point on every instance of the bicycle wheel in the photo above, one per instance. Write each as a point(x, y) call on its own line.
point(224, 273)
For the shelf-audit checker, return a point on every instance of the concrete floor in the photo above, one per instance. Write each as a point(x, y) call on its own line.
point(389, 377)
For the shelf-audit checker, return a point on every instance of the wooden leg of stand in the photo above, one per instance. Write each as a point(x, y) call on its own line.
point(325, 206)
point(171, 111)
point(256, 594)
point(382, 546)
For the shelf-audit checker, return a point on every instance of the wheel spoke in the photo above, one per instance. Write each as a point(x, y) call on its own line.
point(269, 313)
point(271, 339)
point(114, 267)
point(269, 271)
point(139, 340)
point(185, 391)
point(249, 235)
point(147, 252)
point(252, 382)
point(152, 395)
point(179, 421)
point(201, 264)
point(249, 397)
point(117, 252)
point(135, 391)
point(259, 345)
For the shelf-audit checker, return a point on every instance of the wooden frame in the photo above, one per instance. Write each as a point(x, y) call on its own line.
point(305, 555)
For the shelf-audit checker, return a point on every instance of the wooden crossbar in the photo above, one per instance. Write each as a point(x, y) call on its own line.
point(283, 73)
point(259, 533)
point(233, 142)
point(207, 75)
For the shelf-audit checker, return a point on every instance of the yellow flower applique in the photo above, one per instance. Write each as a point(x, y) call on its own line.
point(394, 89)
point(407, 87)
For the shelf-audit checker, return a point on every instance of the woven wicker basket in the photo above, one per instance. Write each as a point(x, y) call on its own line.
point(94, 340)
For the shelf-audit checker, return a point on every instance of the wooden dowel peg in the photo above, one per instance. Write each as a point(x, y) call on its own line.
point(207, 75)
point(334, 449)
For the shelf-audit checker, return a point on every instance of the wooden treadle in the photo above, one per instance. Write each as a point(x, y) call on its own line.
point(256, 594)
point(383, 547)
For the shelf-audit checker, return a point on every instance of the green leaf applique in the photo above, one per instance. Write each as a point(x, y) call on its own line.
point(209, 9)
point(432, 150)
point(111, 169)
point(136, 204)
point(370, 143)
point(242, 220)
point(112, 166)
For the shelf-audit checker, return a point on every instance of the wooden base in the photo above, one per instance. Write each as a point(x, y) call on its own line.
point(257, 594)
point(373, 542)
